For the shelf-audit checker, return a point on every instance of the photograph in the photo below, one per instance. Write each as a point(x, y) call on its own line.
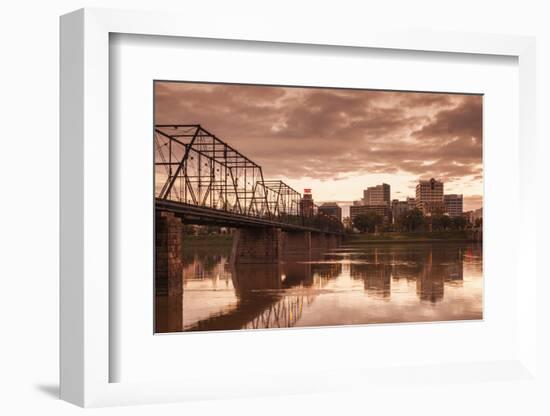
point(303, 207)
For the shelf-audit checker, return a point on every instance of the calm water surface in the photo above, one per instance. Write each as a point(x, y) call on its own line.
point(354, 284)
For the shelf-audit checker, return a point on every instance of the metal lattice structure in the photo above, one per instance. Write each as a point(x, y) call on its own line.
point(197, 170)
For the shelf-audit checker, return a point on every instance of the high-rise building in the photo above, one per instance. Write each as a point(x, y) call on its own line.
point(331, 208)
point(306, 204)
point(429, 196)
point(453, 205)
point(377, 195)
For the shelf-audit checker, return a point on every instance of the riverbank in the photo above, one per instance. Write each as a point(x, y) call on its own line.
point(411, 237)
point(226, 240)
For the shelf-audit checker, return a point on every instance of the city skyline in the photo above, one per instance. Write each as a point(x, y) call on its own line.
point(339, 142)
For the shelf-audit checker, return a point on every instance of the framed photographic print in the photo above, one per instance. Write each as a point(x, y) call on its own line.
point(321, 212)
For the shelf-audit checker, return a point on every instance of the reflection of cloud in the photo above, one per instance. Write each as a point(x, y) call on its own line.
point(335, 133)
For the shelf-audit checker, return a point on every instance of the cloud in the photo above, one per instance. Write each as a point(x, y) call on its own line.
point(331, 134)
point(472, 202)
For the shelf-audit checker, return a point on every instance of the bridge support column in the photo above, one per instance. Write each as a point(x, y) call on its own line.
point(296, 241)
point(257, 245)
point(319, 241)
point(168, 254)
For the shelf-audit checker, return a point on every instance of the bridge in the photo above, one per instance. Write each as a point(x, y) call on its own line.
point(200, 179)
point(206, 181)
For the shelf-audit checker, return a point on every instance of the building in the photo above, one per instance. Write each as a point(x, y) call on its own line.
point(453, 205)
point(398, 208)
point(429, 196)
point(377, 195)
point(478, 214)
point(331, 208)
point(382, 209)
point(474, 215)
point(306, 204)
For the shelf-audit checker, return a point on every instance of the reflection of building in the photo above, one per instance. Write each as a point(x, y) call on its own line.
point(327, 271)
point(331, 208)
point(429, 196)
point(430, 285)
point(453, 205)
point(377, 195)
point(455, 271)
point(376, 278)
point(382, 210)
point(439, 266)
point(306, 204)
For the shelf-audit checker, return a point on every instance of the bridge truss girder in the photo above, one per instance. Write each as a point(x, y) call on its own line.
point(194, 167)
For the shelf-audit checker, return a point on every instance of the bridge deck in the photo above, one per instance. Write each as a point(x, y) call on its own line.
point(202, 215)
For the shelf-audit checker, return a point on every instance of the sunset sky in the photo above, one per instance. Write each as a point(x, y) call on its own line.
point(339, 141)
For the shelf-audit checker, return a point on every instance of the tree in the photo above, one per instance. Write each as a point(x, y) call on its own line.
point(440, 222)
point(367, 222)
point(348, 226)
point(478, 222)
point(411, 220)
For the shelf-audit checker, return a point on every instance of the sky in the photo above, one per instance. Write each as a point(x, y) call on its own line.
point(340, 141)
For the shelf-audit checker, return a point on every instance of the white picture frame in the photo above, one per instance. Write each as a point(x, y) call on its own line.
point(85, 211)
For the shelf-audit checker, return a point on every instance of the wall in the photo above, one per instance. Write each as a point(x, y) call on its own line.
point(29, 209)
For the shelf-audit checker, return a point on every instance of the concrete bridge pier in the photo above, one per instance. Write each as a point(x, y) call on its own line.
point(325, 241)
point(257, 245)
point(268, 245)
point(168, 254)
point(296, 242)
point(319, 241)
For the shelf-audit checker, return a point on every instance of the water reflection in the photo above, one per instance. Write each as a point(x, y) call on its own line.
point(351, 285)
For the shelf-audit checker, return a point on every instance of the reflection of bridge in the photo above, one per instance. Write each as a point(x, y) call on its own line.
point(264, 300)
point(283, 314)
point(268, 296)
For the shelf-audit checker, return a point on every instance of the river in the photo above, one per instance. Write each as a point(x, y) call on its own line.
point(353, 285)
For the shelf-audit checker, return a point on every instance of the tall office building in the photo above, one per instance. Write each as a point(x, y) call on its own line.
point(429, 196)
point(377, 195)
point(453, 205)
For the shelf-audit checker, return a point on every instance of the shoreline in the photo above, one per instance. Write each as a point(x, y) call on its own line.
point(414, 237)
point(412, 241)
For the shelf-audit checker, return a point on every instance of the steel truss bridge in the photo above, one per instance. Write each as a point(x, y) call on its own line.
point(206, 181)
